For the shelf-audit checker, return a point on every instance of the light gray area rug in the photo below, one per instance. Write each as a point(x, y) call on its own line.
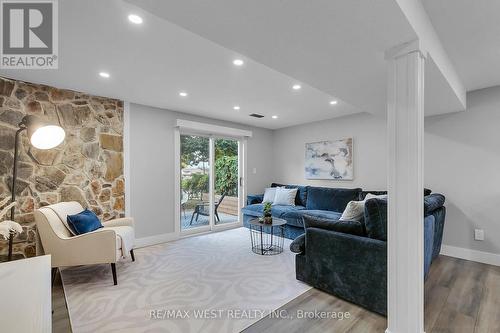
point(207, 283)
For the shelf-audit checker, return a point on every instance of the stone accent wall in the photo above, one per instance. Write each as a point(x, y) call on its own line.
point(87, 167)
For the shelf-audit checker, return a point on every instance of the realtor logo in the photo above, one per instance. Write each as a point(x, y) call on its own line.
point(29, 34)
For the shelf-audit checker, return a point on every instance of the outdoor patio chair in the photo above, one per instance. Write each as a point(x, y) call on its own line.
point(202, 209)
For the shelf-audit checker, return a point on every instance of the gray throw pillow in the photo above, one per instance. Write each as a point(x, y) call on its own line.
point(285, 196)
point(355, 210)
point(269, 195)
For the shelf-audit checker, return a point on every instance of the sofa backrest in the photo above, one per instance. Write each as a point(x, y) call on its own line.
point(376, 218)
point(332, 199)
point(55, 215)
point(376, 214)
point(433, 202)
point(363, 194)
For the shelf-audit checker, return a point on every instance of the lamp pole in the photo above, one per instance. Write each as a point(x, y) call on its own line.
point(22, 127)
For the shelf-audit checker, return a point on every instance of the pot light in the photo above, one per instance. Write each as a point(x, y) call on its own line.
point(238, 62)
point(236, 107)
point(136, 19)
point(296, 87)
point(104, 75)
point(333, 102)
point(274, 117)
point(183, 94)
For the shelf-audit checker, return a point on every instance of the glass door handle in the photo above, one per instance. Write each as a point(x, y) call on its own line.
point(241, 181)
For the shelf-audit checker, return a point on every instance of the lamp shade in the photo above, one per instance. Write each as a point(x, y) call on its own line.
point(43, 135)
point(47, 137)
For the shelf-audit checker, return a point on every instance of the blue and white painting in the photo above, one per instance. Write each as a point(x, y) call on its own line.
point(329, 160)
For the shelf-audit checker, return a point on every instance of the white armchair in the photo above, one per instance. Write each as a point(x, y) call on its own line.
point(102, 246)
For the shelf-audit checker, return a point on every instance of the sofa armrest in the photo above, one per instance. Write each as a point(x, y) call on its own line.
point(299, 244)
point(352, 267)
point(254, 199)
point(95, 247)
point(123, 221)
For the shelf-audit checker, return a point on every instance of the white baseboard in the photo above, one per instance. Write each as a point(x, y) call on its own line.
point(472, 255)
point(156, 239)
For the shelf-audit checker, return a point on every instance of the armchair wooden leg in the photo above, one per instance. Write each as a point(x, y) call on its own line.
point(113, 270)
point(132, 254)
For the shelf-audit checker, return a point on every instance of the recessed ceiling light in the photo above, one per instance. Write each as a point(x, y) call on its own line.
point(136, 19)
point(183, 94)
point(104, 75)
point(333, 102)
point(274, 117)
point(236, 107)
point(296, 86)
point(238, 62)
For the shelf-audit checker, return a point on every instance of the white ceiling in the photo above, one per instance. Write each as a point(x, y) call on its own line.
point(336, 46)
point(334, 49)
point(470, 33)
point(150, 63)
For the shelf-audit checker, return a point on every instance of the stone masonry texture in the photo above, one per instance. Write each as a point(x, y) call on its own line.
point(87, 167)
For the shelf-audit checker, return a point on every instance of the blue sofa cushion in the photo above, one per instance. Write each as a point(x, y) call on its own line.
point(84, 222)
point(254, 199)
point(433, 202)
point(347, 227)
point(281, 210)
point(294, 217)
point(289, 213)
point(376, 218)
point(301, 198)
point(333, 199)
point(325, 214)
point(299, 244)
point(253, 210)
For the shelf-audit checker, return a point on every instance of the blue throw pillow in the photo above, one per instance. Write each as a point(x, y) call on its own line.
point(84, 222)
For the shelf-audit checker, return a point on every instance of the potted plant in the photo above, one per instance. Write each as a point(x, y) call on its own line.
point(268, 219)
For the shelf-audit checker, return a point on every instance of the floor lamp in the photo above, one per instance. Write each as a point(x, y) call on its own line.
point(42, 135)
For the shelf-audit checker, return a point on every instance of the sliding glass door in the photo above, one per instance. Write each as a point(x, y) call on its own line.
point(209, 182)
point(226, 180)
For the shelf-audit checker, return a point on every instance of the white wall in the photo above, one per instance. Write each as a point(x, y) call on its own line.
point(151, 157)
point(370, 150)
point(462, 161)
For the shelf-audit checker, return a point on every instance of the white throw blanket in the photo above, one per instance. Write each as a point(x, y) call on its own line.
point(127, 237)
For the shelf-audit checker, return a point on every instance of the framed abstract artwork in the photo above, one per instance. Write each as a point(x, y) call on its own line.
point(329, 160)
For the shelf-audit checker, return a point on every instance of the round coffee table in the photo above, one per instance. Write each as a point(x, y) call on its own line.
point(267, 239)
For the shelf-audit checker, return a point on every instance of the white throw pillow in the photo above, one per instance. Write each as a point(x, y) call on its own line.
point(285, 196)
point(371, 196)
point(269, 195)
point(354, 211)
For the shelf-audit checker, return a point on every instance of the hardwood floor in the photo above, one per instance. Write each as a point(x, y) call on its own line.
point(60, 317)
point(460, 297)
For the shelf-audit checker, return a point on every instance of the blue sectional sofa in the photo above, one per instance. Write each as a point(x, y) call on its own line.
point(347, 258)
point(351, 263)
point(314, 201)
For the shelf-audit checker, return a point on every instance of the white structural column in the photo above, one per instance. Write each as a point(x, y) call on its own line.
point(405, 107)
